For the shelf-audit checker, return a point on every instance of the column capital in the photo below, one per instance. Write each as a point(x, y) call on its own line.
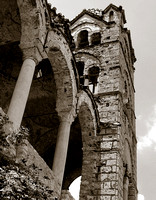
point(66, 117)
point(31, 52)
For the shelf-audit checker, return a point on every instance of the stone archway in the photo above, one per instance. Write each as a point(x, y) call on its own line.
point(83, 130)
point(61, 58)
point(86, 114)
point(89, 125)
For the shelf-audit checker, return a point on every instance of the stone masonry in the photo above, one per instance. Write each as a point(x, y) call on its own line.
point(71, 83)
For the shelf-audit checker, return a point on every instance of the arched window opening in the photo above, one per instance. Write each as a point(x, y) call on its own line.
point(74, 188)
point(83, 39)
point(93, 75)
point(80, 68)
point(96, 38)
point(111, 16)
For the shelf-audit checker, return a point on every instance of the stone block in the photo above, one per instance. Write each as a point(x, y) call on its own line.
point(111, 162)
point(107, 191)
point(108, 177)
point(106, 145)
point(106, 185)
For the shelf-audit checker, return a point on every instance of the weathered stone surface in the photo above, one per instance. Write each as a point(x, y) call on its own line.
point(96, 94)
point(113, 90)
point(65, 195)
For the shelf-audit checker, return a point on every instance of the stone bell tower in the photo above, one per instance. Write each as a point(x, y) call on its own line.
point(105, 58)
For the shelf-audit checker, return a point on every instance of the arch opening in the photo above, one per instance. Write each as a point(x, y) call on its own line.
point(93, 75)
point(83, 39)
point(111, 16)
point(80, 68)
point(73, 166)
point(40, 116)
point(96, 38)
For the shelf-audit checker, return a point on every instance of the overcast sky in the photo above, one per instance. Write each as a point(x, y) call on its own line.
point(141, 21)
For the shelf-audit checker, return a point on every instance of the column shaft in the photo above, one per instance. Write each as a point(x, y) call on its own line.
point(61, 150)
point(21, 92)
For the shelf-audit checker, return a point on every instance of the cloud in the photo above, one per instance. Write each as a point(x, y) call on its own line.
point(149, 140)
point(140, 197)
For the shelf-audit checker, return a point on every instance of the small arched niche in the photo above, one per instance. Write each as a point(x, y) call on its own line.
point(82, 39)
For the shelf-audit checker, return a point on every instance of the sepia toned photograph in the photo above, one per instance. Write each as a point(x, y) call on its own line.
point(77, 100)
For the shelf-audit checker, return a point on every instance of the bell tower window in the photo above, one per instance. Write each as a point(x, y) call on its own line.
point(111, 16)
point(80, 68)
point(93, 75)
point(96, 38)
point(83, 39)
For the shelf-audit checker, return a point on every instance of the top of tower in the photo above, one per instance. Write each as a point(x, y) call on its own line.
point(100, 14)
point(118, 9)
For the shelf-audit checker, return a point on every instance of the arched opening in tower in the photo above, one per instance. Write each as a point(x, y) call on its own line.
point(83, 39)
point(111, 16)
point(93, 75)
point(95, 38)
point(80, 68)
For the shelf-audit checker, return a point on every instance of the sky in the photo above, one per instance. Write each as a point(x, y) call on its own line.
point(141, 21)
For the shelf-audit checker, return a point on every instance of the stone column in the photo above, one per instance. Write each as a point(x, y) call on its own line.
point(61, 150)
point(125, 188)
point(21, 92)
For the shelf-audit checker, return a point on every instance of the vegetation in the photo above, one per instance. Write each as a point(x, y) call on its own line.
point(17, 181)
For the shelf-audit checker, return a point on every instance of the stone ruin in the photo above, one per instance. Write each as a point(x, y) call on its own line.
point(67, 88)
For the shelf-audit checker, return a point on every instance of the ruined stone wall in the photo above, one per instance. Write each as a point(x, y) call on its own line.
point(105, 120)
